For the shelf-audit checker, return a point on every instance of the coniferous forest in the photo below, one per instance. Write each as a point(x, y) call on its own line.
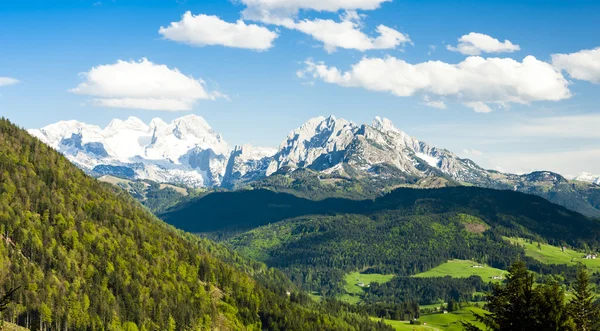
point(83, 255)
point(79, 254)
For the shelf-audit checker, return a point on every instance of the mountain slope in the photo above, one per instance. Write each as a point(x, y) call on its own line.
point(86, 256)
point(261, 207)
point(405, 232)
point(188, 151)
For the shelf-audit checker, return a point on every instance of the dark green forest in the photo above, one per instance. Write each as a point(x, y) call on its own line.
point(515, 212)
point(405, 232)
point(86, 256)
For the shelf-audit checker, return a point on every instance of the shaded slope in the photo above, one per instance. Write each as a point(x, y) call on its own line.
point(244, 210)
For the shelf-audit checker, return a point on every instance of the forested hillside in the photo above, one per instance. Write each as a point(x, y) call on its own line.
point(403, 233)
point(513, 211)
point(86, 256)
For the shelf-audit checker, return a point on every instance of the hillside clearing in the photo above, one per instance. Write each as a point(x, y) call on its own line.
point(464, 269)
point(439, 321)
point(549, 254)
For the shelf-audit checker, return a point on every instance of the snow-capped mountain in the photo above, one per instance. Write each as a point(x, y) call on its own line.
point(324, 144)
point(186, 151)
point(189, 151)
point(588, 177)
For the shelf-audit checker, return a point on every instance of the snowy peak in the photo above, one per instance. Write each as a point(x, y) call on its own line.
point(317, 137)
point(384, 124)
point(588, 177)
point(132, 123)
point(318, 130)
point(249, 152)
point(186, 150)
point(53, 134)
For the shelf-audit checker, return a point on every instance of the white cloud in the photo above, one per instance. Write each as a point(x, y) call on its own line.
point(478, 106)
point(346, 34)
point(204, 30)
point(476, 43)
point(476, 82)
point(434, 103)
point(472, 152)
point(265, 10)
point(582, 65)
point(142, 85)
point(4, 81)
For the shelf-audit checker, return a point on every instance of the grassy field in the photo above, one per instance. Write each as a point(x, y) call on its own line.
point(462, 268)
point(549, 254)
point(355, 292)
point(12, 327)
point(441, 322)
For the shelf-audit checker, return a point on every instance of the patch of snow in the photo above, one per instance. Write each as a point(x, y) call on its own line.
point(431, 160)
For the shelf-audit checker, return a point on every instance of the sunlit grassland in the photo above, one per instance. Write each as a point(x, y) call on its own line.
point(463, 269)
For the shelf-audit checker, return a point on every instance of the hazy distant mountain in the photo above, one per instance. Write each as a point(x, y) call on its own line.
point(188, 151)
point(588, 177)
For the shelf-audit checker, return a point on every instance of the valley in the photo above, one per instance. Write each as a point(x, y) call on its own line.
point(299, 165)
point(394, 252)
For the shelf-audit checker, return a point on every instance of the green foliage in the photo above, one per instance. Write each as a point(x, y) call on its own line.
point(406, 232)
point(317, 252)
point(518, 305)
point(88, 257)
point(514, 213)
point(586, 315)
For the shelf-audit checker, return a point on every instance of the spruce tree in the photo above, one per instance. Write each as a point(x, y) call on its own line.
point(582, 309)
point(518, 306)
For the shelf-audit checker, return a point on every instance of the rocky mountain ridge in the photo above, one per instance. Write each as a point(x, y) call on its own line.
point(188, 151)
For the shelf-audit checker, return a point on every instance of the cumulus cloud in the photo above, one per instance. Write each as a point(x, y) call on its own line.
point(476, 81)
point(142, 85)
point(204, 30)
point(476, 43)
point(268, 10)
point(347, 34)
point(4, 81)
point(582, 65)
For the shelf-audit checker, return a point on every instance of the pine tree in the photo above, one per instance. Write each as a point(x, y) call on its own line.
point(582, 308)
point(518, 306)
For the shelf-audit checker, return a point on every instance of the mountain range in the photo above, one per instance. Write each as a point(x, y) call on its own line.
point(188, 151)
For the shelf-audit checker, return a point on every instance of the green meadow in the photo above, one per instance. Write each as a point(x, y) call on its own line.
point(549, 254)
point(354, 292)
point(439, 321)
point(463, 269)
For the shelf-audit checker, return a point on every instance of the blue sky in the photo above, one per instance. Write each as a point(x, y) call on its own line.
point(46, 45)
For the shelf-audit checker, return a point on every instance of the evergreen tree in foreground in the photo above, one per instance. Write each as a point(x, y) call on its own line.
point(582, 309)
point(518, 306)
